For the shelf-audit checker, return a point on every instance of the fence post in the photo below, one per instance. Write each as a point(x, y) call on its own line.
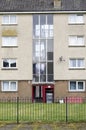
point(66, 111)
point(17, 110)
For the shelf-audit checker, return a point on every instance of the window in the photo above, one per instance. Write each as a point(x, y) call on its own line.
point(9, 63)
point(76, 63)
point(43, 48)
point(9, 41)
point(76, 86)
point(76, 40)
point(9, 85)
point(9, 19)
point(76, 19)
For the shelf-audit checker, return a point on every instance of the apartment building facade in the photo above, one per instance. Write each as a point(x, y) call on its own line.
point(42, 49)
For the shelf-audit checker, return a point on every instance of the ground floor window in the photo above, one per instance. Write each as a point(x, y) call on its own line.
point(76, 85)
point(9, 85)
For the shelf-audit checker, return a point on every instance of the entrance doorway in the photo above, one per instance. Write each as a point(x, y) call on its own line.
point(43, 93)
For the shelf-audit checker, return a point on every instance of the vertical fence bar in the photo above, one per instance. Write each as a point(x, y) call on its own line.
point(66, 111)
point(17, 110)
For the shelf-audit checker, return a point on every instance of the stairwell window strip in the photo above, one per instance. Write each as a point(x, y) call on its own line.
point(9, 86)
point(9, 19)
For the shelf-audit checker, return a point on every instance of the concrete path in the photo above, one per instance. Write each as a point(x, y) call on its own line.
point(72, 126)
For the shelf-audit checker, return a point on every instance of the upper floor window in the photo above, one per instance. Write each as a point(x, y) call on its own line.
point(76, 40)
point(9, 19)
point(76, 86)
point(9, 41)
point(76, 63)
point(76, 19)
point(9, 85)
point(9, 63)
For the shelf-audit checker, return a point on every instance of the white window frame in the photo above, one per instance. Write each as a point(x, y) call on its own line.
point(76, 19)
point(9, 41)
point(9, 89)
point(76, 40)
point(77, 89)
point(6, 19)
point(9, 61)
point(76, 63)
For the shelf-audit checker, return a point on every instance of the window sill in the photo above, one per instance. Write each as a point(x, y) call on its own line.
point(9, 24)
point(9, 68)
point(76, 68)
point(9, 91)
point(76, 46)
point(9, 46)
point(76, 23)
point(72, 91)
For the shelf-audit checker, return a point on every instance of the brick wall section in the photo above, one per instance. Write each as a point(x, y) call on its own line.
point(61, 90)
point(24, 90)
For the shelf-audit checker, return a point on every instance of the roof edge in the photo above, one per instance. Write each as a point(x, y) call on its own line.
point(46, 12)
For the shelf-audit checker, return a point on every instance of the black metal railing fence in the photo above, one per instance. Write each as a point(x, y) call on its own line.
point(68, 109)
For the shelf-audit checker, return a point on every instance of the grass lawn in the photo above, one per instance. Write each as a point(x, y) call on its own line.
point(32, 112)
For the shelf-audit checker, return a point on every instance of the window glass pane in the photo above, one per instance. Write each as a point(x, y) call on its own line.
point(12, 63)
point(72, 40)
point(80, 40)
point(72, 63)
point(49, 49)
point(12, 19)
point(36, 78)
point(42, 50)
point(49, 77)
point(80, 85)
point(37, 68)
point(43, 25)
point(5, 41)
point(36, 26)
point(36, 50)
point(73, 85)
point(5, 86)
point(72, 18)
point(42, 19)
point(13, 86)
point(42, 78)
point(5, 63)
point(13, 41)
point(80, 63)
point(79, 18)
point(50, 19)
point(50, 67)
point(42, 68)
point(5, 19)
